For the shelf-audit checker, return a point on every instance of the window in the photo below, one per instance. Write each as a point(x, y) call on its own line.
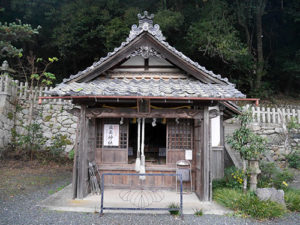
point(180, 134)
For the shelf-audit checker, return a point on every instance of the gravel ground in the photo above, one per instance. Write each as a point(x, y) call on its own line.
point(22, 209)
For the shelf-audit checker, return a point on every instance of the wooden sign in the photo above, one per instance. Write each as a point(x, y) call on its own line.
point(111, 135)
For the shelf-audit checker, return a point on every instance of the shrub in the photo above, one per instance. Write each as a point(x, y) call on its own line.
point(251, 205)
point(71, 154)
point(248, 204)
point(173, 209)
point(281, 178)
point(294, 159)
point(233, 178)
point(272, 176)
point(292, 200)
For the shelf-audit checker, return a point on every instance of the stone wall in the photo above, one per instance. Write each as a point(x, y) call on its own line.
point(52, 115)
point(280, 139)
point(6, 120)
point(53, 118)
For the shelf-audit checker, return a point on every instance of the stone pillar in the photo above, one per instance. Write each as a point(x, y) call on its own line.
point(254, 171)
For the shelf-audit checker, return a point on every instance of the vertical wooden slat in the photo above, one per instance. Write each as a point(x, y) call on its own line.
point(258, 114)
point(274, 115)
point(268, 115)
point(298, 114)
point(21, 90)
point(288, 114)
point(263, 114)
point(25, 90)
point(279, 115)
point(294, 113)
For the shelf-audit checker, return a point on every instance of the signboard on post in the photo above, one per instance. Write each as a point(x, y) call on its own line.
point(111, 135)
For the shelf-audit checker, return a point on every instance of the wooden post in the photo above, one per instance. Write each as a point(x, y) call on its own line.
point(75, 162)
point(82, 179)
point(206, 156)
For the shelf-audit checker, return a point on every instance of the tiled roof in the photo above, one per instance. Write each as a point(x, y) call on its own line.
point(189, 87)
point(146, 25)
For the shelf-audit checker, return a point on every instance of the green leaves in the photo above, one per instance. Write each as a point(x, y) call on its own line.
point(53, 59)
point(10, 34)
point(214, 33)
point(245, 141)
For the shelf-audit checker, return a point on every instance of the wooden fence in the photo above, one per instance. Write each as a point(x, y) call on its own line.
point(21, 90)
point(274, 115)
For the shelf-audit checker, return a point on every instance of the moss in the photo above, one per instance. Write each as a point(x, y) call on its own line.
point(51, 125)
point(47, 118)
point(10, 115)
point(18, 108)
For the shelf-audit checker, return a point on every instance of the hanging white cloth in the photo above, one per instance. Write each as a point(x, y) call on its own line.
point(138, 160)
point(143, 168)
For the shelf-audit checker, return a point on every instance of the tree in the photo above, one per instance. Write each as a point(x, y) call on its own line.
point(12, 34)
point(246, 142)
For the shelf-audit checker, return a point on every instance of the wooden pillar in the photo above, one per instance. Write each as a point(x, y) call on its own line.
point(206, 195)
point(91, 151)
point(82, 179)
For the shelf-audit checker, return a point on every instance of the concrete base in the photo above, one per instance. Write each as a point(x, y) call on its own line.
point(62, 201)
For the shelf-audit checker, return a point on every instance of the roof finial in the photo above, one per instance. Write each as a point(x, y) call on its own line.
point(146, 18)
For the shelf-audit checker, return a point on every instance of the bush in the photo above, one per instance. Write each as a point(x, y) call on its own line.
point(272, 176)
point(281, 178)
point(71, 154)
point(251, 205)
point(292, 200)
point(294, 159)
point(233, 178)
point(248, 204)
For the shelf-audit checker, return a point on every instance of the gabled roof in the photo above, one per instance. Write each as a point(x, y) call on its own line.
point(189, 87)
point(147, 37)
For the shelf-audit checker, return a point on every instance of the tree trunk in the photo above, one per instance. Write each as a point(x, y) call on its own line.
point(259, 35)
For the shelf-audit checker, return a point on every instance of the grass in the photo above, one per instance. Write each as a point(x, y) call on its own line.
point(57, 189)
point(174, 209)
point(292, 200)
point(198, 212)
point(248, 204)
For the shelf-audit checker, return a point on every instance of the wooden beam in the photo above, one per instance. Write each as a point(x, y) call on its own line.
point(132, 113)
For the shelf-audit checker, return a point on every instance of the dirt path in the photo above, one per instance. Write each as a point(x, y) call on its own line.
point(19, 177)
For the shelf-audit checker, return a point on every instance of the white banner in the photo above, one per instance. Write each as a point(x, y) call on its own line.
point(111, 135)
